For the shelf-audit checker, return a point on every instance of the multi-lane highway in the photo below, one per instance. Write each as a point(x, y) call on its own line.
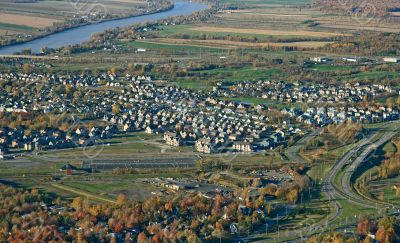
point(349, 164)
point(344, 190)
point(293, 151)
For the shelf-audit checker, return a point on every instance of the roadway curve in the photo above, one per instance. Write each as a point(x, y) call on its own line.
point(345, 190)
point(293, 152)
point(391, 130)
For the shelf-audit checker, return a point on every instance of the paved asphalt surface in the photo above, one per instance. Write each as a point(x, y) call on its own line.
point(349, 162)
point(293, 151)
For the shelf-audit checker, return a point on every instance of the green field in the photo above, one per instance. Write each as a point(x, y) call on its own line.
point(188, 30)
point(272, 2)
point(170, 47)
point(16, 27)
point(227, 74)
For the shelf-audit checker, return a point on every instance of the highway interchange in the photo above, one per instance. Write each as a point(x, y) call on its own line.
point(344, 190)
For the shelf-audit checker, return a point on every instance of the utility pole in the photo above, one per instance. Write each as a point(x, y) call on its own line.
point(277, 223)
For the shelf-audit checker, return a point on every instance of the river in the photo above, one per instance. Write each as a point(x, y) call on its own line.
point(83, 33)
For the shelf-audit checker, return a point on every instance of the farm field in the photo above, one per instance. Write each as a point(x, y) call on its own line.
point(261, 24)
point(32, 21)
point(20, 20)
point(268, 32)
point(65, 9)
point(266, 2)
point(226, 44)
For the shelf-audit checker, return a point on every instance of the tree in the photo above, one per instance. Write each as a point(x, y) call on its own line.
point(26, 68)
point(121, 199)
point(292, 195)
point(365, 226)
point(77, 203)
point(116, 109)
point(387, 228)
point(113, 71)
point(142, 238)
point(44, 50)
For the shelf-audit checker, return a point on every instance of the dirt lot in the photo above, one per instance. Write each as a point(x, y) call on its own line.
point(33, 21)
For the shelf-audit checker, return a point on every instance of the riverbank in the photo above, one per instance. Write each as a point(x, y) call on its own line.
point(66, 27)
point(81, 34)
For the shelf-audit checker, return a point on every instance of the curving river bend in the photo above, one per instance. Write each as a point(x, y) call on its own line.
point(83, 33)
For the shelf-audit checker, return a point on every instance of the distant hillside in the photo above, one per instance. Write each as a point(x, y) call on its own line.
point(365, 7)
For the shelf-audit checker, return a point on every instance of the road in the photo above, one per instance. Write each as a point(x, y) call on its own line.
point(293, 151)
point(346, 183)
point(345, 191)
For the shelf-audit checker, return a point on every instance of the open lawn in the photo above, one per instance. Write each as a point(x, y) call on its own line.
point(228, 74)
point(384, 189)
point(99, 187)
point(16, 28)
point(170, 45)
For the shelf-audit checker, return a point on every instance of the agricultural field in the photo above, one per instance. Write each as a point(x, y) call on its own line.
point(262, 24)
point(19, 20)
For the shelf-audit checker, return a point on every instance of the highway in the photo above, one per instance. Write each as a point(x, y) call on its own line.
point(344, 191)
point(350, 162)
point(346, 183)
point(293, 151)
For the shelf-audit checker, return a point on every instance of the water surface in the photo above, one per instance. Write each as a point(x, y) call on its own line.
point(83, 33)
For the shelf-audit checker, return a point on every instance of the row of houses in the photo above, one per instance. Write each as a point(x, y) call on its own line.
point(194, 119)
point(187, 118)
point(353, 59)
point(323, 116)
point(303, 93)
point(22, 138)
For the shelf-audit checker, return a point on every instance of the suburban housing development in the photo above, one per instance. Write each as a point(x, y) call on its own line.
point(200, 121)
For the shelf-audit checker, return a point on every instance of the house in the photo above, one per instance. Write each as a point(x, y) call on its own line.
point(149, 130)
point(204, 146)
point(242, 146)
point(172, 139)
point(391, 59)
point(320, 59)
point(170, 184)
point(68, 169)
point(350, 59)
point(28, 146)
